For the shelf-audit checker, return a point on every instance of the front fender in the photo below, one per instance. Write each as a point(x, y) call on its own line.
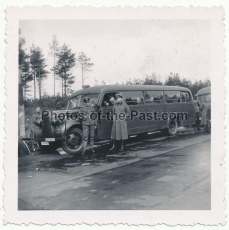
point(70, 123)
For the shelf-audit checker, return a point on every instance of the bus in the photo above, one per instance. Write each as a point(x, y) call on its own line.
point(141, 99)
point(205, 92)
point(201, 94)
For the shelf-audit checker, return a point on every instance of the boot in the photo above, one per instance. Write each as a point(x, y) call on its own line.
point(84, 150)
point(122, 146)
point(113, 147)
point(92, 150)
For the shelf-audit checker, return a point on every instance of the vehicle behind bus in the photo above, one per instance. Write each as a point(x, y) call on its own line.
point(57, 129)
point(205, 92)
point(202, 94)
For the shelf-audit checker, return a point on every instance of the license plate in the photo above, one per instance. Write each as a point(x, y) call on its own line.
point(44, 143)
point(49, 139)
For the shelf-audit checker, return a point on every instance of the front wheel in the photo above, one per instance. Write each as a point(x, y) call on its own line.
point(172, 129)
point(73, 143)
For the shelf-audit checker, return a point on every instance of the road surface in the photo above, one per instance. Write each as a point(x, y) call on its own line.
point(159, 173)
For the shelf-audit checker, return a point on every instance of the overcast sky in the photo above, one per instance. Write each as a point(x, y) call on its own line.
point(126, 49)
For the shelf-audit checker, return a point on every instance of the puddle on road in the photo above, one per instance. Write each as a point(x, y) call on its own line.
point(69, 163)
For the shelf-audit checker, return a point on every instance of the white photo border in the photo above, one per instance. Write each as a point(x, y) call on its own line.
point(214, 216)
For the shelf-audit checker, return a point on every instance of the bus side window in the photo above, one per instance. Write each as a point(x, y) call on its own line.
point(133, 97)
point(172, 96)
point(153, 97)
point(186, 97)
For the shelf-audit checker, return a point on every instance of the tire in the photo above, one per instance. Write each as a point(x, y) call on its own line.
point(48, 148)
point(73, 143)
point(173, 128)
point(23, 149)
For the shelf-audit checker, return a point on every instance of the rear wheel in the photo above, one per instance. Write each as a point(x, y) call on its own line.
point(172, 129)
point(73, 143)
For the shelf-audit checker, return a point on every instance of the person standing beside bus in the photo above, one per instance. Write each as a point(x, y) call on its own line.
point(204, 108)
point(36, 118)
point(119, 128)
point(197, 108)
point(88, 125)
point(58, 105)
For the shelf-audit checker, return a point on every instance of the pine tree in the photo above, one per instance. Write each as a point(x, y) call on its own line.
point(38, 66)
point(65, 62)
point(27, 75)
point(85, 64)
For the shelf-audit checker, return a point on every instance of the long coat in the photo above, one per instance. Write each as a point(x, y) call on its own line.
point(205, 113)
point(119, 128)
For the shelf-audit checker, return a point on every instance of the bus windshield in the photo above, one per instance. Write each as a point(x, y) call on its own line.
point(78, 101)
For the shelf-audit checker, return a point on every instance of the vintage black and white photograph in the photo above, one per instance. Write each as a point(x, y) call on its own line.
point(116, 114)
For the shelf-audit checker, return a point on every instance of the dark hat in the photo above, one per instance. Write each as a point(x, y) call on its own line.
point(86, 99)
point(118, 95)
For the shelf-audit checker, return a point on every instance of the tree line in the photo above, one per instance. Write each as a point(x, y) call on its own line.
point(173, 79)
point(34, 67)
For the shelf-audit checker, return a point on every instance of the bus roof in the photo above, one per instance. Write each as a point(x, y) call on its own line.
point(104, 88)
point(203, 91)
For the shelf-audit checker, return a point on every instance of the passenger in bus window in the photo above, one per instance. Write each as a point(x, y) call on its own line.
point(167, 99)
point(175, 98)
point(105, 103)
point(154, 100)
point(139, 100)
point(119, 128)
point(112, 100)
point(151, 99)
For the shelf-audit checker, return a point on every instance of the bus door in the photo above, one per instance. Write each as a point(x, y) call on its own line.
point(105, 122)
point(189, 108)
point(173, 103)
point(135, 101)
point(154, 107)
